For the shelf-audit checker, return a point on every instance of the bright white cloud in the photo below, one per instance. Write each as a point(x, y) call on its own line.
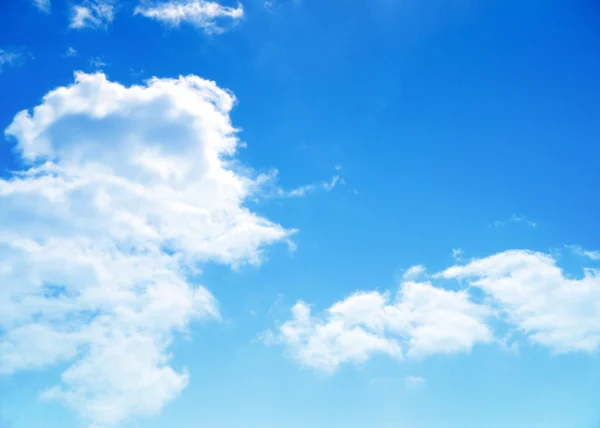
point(204, 14)
point(558, 311)
point(92, 14)
point(42, 5)
point(128, 190)
point(523, 291)
point(421, 320)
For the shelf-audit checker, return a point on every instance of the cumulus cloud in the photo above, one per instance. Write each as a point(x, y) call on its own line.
point(92, 14)
point(551, 309)
point(127, 191)
point(203, 14)
point(420, 321)
point(524, 292)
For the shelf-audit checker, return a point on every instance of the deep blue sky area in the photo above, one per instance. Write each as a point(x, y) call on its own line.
point(469, 124)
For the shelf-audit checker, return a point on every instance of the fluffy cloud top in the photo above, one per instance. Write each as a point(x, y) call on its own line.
point(92, 14)
point(420, 321)
point(200, 13)
point(525, 290)
point(127, 190)
point(551, 309)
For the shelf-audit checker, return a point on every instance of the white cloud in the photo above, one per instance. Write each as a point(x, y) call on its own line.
point(577, 249)
point(414, 382)
point(128, 190)
point(203, 14)
point(414, 272)
point(457, 254)
point(560, 312)
point(71, 51)
point(92, 14)
point(524, 293)
point(422, 320)
point(300, 191)
point(42, 5)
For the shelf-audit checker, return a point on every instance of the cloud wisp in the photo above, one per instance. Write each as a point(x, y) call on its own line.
point(43, 6)
point(211, 17)
point(9, 58)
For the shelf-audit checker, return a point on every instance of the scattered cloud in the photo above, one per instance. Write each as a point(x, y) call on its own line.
point(210, 16)
point(414, 382)
point(524, 292)
point(551, 309)
point(515, 219)
point(421, 320)
point(98, 63)
point(457, 254)
point(42, 5)
point(71, 52)
point(129, 190)
point(327, 186)
point(9, 58)
point(577, 249)
point(92, 14)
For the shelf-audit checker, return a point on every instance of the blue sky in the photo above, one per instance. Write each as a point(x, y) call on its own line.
point(292, 213)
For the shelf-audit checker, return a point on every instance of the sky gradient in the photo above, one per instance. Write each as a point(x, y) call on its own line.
point(292, 213)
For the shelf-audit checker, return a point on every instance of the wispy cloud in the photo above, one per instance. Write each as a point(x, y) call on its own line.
point(457, 254)
point(515, 219)
point(577, 249)
point(10, 58)
point(71, 52)
point(211, 17)
point(42, 5)
point(327, 186)
point(97, 63)
point(92, 14)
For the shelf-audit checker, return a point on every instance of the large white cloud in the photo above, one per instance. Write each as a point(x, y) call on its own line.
point(523, 291)
point(127, 190)
point(204, 14)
